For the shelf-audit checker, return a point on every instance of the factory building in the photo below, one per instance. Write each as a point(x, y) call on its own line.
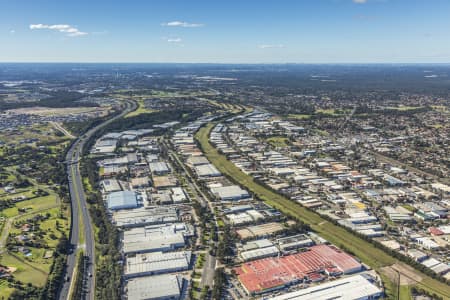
point(157, 263)
point(145, 216)
point(161, 287)
point(258, 249)
point(110, 186)
point(358, 287)
point(230, 193)
point(159, 168)
point(262, 275)
point(122, 200)
point(156, 238)
point(207, 170)
point(294, 242)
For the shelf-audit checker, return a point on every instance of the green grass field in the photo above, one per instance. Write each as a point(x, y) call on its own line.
point(405, 292)
point(404, 108)
point(5, 289)
point(28, 192)
point(44, 132)
point(55, 221)
point(27, 273)
point(30, 205)
point(35, 268)
point(337, 235)
point(140, 110)
point(299, 116)
point(278, 141)
point(332, 112)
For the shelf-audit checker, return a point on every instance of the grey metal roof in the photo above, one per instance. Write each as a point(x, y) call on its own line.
point(117, 200)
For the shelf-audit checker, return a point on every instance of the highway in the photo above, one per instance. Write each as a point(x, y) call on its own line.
point(80, 219)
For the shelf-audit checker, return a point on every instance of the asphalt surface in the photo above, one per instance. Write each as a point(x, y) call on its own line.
point(209, 271)
point(81, 217)
point(210, 265)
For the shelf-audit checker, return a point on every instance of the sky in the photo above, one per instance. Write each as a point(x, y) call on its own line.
point(225, 31)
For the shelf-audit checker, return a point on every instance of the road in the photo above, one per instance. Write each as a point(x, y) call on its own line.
point(80, 220)
point(209, 271)
point(204, 200)
point(59, 127)
point(210, 265)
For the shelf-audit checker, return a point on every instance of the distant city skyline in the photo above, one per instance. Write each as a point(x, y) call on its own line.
point(309, 31)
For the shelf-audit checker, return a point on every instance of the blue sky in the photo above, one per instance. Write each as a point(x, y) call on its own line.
point(231, 31)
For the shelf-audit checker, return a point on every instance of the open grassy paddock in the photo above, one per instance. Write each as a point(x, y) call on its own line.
point(140, 110)
point(278, 141)
point(48, 220)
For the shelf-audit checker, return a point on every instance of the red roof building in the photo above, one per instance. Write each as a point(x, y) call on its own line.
point(435, 231)
point(271, 273)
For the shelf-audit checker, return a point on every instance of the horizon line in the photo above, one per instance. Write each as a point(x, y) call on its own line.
point(228, 63)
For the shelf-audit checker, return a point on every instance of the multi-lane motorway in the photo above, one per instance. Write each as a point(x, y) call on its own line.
point(82, 234)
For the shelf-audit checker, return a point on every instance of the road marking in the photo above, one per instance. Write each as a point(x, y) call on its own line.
point(76, 151)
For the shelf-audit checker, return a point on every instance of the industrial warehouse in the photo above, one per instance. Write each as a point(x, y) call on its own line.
point(149, 209)
point(156, 287)
point(272, 273)
point(356, 287)
point(154, 238)
point(272, 255)
point(157, 263)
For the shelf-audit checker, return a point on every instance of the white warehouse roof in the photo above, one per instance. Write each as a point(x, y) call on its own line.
point(145, 216)
point(207, 170)
point(159, 167)
point(157, 263)
point(233, 192)
point(155, 287)
point(161, 237)
point(349, 288)
point(122, 200)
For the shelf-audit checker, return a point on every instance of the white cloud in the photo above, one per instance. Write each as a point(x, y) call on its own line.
point(182, 24)
point(174, 40)
point(64, 28)
point(269, 46)
point(360, 1)
point(12, 31)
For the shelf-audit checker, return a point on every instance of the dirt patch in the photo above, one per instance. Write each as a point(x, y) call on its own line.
point(47, 111)
point(408, 275)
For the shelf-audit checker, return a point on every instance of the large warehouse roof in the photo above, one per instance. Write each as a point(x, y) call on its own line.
point(155, 287)
point(162, 237)
point(145, 216)
point(264, 274)
point(110, 185)
point(159, 167)
point(349, 288)
point(208, 170)
point(233, 192)
point(157, 263)
point(121, 200)
point(197, 160)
